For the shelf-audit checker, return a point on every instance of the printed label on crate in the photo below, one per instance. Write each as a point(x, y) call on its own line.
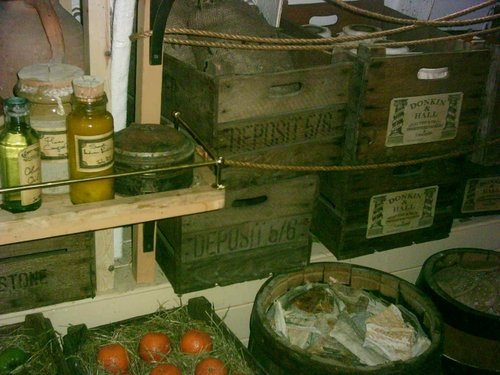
point(245, 236)
point(481, 194)
point(299, 127)
point(422, 119)
point(401, 211)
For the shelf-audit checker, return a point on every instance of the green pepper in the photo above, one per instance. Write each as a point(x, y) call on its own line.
point(11, 358)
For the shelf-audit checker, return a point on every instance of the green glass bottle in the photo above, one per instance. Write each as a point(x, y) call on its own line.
point(20, 162)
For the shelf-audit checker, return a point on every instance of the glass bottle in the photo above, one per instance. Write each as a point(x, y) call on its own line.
point(90, 141)
point(20, 162)
point(48, 87)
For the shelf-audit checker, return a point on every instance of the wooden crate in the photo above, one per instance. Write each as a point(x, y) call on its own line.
point(37, 337)
point(392, 113)
point(45, 272)
point(201, 315)
point(489, 130)
point(264, 117)
point(359, 213)
point(396, 114)
point(479, 191)
point(262, 229)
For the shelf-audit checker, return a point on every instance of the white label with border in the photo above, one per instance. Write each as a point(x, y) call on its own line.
point(94, 153)
point(423, 119)
point(30, 172)
point(401, 211)
point(481, 194)
point(53, 142)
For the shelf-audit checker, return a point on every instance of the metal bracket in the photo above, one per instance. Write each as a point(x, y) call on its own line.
point(159, 11)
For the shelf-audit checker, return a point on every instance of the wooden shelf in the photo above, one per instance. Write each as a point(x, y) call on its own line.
point(58, 216)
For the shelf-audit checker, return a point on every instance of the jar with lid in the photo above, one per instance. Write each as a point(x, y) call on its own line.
point(48, 87)
point(90, 141)
point(19, 157)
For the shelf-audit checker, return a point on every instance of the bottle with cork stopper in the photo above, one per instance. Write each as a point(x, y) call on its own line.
point(90, 141)
point(48, 87)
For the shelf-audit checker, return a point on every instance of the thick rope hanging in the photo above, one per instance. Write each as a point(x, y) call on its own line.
point(406, 21)
point(247, 38)
point(364, 167)
point(337, 39)
point(200, 43)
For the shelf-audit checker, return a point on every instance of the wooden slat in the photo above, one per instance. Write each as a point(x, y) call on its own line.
point(59, 216)
point(105, 260)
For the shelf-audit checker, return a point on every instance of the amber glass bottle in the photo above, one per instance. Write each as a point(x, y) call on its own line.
point(90, 141)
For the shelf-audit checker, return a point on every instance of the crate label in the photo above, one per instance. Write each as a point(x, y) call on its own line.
point(423, 119)
point(244, 236)
point(481, 194)
point(299, 127)
point(401, 211)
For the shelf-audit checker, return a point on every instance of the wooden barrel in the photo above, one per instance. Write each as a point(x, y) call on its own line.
point(464, 285)
point(279, 357)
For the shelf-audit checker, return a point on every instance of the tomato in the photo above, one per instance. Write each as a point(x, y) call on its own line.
point(211, 366)
point(154, 346)
point(165, 369)
point(114, 359)
point(196, 341)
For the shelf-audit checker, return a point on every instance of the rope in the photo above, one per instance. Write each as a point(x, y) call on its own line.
point(406, 21)
point(248, 38)
point(199, 43)
point(331, 168)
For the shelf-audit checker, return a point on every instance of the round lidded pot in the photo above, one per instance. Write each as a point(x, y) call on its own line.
point(150, 146)
point(48, 87)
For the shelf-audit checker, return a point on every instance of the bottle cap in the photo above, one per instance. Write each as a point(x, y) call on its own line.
point(16, 106)
point(88, 87)
point(52, 80)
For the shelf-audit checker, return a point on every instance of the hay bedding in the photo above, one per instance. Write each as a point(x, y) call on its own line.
point(174, 323)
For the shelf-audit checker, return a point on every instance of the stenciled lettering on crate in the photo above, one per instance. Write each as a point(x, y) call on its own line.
point(245, 236)
point(45, 272)
point(22, 280)
point(257, 134)
point(262, 229)
point(252, 114)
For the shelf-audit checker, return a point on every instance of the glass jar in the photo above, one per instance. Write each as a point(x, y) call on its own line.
point(48, 87)
point(90, 141)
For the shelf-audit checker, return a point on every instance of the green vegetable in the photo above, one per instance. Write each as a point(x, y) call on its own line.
point(11, 358)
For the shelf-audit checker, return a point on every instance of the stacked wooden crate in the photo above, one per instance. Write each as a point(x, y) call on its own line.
point(401, 108)
point(480, 188)
point(289, 117)
point(45, 272)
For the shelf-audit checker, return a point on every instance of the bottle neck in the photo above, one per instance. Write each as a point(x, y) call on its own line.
point(90, 106)
point(17, 122)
